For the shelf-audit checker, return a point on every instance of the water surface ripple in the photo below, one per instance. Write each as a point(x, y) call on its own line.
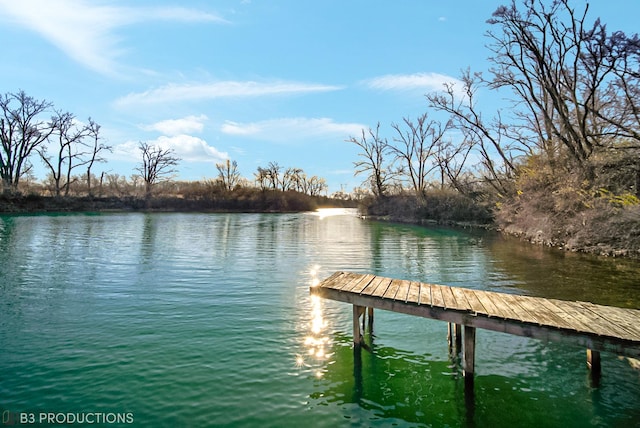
point(206, 320)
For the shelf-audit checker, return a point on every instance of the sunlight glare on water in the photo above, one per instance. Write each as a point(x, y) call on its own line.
point(330, 212)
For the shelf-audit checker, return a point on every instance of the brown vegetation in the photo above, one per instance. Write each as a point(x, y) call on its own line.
point(192, 200)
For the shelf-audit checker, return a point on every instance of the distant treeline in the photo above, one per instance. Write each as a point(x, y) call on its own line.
point(242, 200)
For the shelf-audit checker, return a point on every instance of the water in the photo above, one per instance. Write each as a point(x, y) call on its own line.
point(206, 320)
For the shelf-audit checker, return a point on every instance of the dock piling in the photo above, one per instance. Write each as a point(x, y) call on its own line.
point(357, 333)
point(469, 351)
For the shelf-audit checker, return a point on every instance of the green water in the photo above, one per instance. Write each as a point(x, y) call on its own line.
point(206, 320)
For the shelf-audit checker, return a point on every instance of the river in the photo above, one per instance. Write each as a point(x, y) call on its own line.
point(206, 320)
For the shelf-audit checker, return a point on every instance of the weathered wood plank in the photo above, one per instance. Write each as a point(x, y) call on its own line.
point(577, 312)
point(403, 290)
point(571, 315)
point(414, 293)
point(620, 317)
point(436, 296)
point(543, 315)
point(502, 306)
point(362, 284)
point(484, 298)
point(425, 295)
point(474, 303)
point(336, 278)
point(371, 287)
point(391, 291)
point(447, 296)
point(461, 300)
point(522, 313)
point(614, 328)
point(382, 287)
point(350, 281)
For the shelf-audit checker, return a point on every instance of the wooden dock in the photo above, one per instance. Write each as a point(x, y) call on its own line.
point(594, 327)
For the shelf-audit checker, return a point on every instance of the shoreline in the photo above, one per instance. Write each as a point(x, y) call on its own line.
point(267, 203)
point(536, 239)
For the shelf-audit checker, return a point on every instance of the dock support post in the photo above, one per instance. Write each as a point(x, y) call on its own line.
point(593, 362)
point(458, 331)
point(357, 334)
point(469, 351)
point(454, 337)
point(370, 321)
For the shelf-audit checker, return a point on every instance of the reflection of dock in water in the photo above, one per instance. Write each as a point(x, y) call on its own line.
point(594, 327)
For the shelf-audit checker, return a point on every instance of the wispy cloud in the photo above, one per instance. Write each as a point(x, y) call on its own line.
point(222, 89)
point(292, 129)
point(417, 81)
point(86, 31)
point(187, 147)
point(185, 125)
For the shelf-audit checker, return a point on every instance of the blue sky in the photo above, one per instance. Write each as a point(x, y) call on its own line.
point(250, 80)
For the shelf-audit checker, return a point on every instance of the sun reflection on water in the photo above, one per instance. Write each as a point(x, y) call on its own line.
point(316, 342)
point(330, 212)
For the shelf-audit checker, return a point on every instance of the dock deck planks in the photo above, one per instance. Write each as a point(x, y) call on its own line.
point(596, 327)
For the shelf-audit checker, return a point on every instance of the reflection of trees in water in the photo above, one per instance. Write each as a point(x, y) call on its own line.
point(554, 273)
point(490, 261)
point(439, 255)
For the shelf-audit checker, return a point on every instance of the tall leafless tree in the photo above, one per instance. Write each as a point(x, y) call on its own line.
point(576, 85)
point(228, 174)
point(273, 174)
point(22, 131)
point(316, 185)
point(415, 148)
point(262, 178)
point(495, 145)
point(67, 141)
point(157, 163)
point(96, 148)
point(374, 164)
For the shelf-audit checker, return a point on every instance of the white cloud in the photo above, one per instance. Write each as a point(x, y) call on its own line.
point(403, 82)
point(85, 31)
point(188, 148)
point(292, 129)
point(222, 89)
point(173, 127)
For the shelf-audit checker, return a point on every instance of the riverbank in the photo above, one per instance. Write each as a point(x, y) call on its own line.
point(598, 228)
point(268, 201)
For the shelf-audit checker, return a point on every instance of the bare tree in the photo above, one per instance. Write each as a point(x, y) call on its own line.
point(576, 86)
point(417, 144)
point(67, 140)
point(452, 158)
point(262, 178)
point(273, 174)
point(292, 179)
point(496, 146)
point(316, 185)
point(228, 174)
point(157, 163)
point(96, 147)
point(374, 148)
point(21, 132)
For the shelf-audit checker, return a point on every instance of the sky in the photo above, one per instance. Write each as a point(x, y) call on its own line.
point(255, 81)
